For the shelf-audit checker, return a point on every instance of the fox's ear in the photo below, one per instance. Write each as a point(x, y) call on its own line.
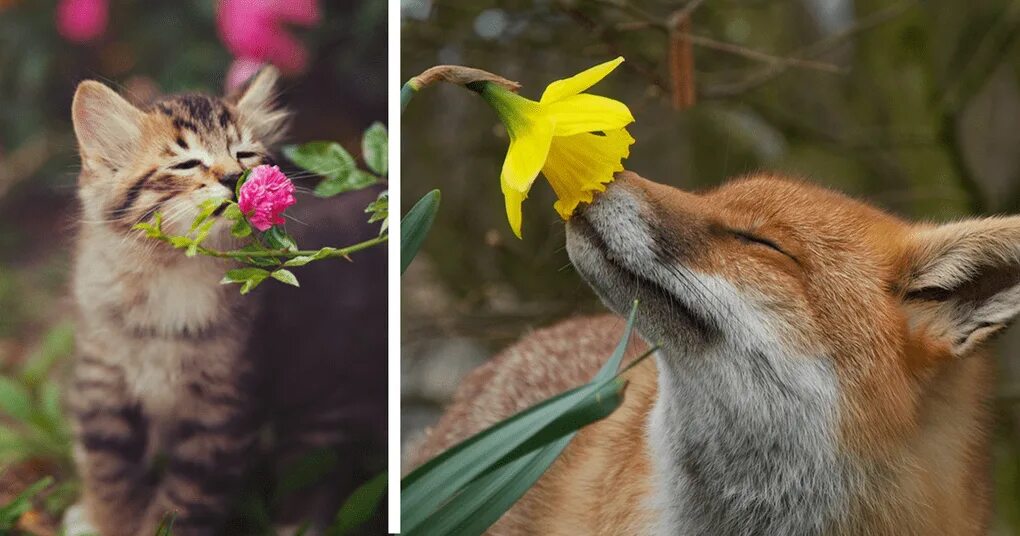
point(962, 280)
point(257, 109)
point(107, 126)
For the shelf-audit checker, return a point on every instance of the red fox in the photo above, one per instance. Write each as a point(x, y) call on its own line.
point(821, 367)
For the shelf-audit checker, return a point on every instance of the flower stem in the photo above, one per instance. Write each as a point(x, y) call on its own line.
point(406, 92)
point(336, 253)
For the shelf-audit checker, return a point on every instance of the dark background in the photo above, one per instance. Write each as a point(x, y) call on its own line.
point(913, 106)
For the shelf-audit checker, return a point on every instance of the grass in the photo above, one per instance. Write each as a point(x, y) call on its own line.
point(35, 444)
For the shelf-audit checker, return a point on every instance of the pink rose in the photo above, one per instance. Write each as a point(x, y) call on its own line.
point(265, 195)
point(255, 30)
point(80, 21)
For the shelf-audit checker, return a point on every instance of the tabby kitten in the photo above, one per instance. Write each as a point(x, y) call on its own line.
point(169, 392)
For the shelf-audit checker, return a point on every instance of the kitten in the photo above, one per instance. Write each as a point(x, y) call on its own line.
point(177, 375)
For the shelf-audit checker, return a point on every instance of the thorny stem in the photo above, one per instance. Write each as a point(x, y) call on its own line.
point(342, 253)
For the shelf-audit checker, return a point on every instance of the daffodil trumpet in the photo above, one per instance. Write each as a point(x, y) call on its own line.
point(577, 140)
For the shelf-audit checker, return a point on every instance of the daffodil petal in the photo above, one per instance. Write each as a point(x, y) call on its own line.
point(582, 164)
point(579, 82)
point(513, 200)
point(587, 113)
point(529, 147)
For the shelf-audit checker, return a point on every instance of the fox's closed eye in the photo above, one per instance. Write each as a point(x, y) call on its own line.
point(750, 238)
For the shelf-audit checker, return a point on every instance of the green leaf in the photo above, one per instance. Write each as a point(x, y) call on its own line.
point(380, 208)
point(285, 276)
point(153, 229)
point(356, 180)
point(205, 210)
point(249, 278)
point(240, 182)
point(241, 228)
point(482, 502)
point(415, 225)
point(375, 148)
point(180, 242)
point(359, 507)
point(15, 399)
point(380, 211)
point(12, 511)
point(302, 260)
point(166, 526)
point(326, 158)
point(241, 275)
point(425, 489)
point(305, 472)
point(200, 236)
point(278, 238)
point(233, 212)
point(58, 344)
point(469, 486)
point(258, 261)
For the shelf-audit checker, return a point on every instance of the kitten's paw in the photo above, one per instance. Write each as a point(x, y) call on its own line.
point(76, 523)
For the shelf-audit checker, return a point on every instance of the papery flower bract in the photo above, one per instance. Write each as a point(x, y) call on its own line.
point(80, 21)
point(265, 195)
point(255, 30)
point(575, 139)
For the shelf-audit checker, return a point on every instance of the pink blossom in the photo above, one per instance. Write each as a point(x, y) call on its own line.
point(240, 71)
point(80, 21)
point(255, 30)
point(265, 195)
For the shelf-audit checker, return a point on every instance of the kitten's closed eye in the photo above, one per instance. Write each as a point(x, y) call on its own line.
point(241, 155)
point(187, 164)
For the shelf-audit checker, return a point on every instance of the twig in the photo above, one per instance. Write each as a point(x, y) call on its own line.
point(681, 62)
point(818, 48)
point(647, 20)
point(988, 55)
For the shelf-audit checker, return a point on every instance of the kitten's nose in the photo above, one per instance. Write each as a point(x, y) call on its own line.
point(230, 180)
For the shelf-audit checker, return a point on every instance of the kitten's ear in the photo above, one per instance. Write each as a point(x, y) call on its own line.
point(256, 106)
point(962, 280)
point(108, 127)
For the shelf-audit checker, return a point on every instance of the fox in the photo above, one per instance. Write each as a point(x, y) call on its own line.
point(822, 367)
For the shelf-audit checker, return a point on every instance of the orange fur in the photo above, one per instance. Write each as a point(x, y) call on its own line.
point(883, 300)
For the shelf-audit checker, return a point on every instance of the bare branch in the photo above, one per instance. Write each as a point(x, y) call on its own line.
point(818, 48)
point(649, 21)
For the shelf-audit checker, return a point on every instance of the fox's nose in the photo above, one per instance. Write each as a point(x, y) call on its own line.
point(230, 180)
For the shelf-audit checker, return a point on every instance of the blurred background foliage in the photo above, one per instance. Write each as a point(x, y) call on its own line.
point(913, 106)
point(147, 48)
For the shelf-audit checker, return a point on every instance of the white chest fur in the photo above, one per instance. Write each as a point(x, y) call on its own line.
point(744, 443)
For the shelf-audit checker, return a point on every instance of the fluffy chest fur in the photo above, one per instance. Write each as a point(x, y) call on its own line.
point(743, 442)
point(165, 322)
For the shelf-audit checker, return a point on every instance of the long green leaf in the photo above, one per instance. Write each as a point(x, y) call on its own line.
point(58, 344)
point(15, 399)
point(435, 482)
point(415, 225)
point(360, 506)
point(12, 511)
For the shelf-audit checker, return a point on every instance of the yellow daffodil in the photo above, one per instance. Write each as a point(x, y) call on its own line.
point(575, 139)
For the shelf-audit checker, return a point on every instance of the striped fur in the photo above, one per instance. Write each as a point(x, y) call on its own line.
point(167, 400)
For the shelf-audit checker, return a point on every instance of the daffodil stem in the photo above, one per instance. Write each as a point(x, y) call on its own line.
point(451, 74)
point(406, 93)
point(336, 253)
